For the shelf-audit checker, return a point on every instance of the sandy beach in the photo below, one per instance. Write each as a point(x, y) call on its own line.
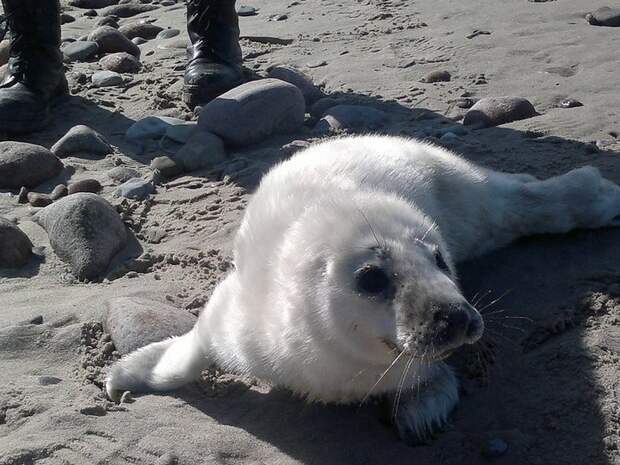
point(546, 385)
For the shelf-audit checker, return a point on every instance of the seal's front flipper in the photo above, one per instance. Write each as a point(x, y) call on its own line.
point(160, 366)
point(423, 410)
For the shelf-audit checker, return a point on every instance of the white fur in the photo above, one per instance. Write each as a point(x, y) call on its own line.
point(287, 314)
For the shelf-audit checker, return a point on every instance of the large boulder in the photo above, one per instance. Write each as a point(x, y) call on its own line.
point(15, 247)
point(253, 111)
point(23, 164)
point(133, 322)
point(84, 231)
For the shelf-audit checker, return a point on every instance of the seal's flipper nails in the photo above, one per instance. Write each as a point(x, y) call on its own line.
point(424, 410)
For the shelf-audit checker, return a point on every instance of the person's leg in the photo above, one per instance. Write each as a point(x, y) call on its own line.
point(214, 64)
point(35, 75)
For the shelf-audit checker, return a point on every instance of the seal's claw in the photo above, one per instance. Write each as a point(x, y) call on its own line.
point(424, 410)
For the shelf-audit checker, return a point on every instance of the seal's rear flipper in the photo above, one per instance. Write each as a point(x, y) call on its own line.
point(160, 366)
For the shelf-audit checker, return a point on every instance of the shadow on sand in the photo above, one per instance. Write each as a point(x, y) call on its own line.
point(542, 397)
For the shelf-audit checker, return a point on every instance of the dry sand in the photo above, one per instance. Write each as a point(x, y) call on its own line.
point(553, 392)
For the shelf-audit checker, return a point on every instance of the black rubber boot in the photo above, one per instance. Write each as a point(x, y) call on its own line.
point(35, 76)
point(214, 64)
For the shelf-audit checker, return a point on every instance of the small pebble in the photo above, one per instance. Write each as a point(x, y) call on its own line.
point(85, 185)
point(48, 380)
point(570, 103)
point(436, 76)
point(465, 103)
point(59, 191)
point(244, 10)
point(106, 79)
point(95, 410)
point(39, 200)
point(37, 320)
point(166, 166)
point(316, 64)
point(168, 34)
point(494, 448)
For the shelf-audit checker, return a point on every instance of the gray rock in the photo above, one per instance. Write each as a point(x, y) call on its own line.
point(79, 50)
point(5, 47)
point(202, 150)
point(66, 18)
point(570, 103)
point(90, 14)
point(153, 127)
point(493, 111)
point(92, 3)
point(135, 188)
point(48, 380)
point(322, 105)
point(168, 33)
point(127, 10)
point(23, 164)
point(84, 185)
point(316, 64)
point(138, 40)
point(59, 191)
point(299, 79)
point(106, 79)
point(181, 132)
point(39, 200)
point(110, 40)
point(605, 16)
point(436, 76)
point(122, 174)
point(253, 111)
point(142, 29)
point(166, 166)
point(81, 139)
point(120, 62)
point(22, 197)
point(134, 322)
point(84, 231)
point(107, 21)
point(351, 117)
point(15, 247)
point(244, 10)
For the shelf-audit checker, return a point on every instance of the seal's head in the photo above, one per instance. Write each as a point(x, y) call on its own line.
point(383, 281)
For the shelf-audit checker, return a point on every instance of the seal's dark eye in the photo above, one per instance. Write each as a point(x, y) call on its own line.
point(441, 263)
point(371, 279)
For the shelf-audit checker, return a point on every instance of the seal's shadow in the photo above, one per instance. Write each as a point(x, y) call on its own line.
point(540, 392)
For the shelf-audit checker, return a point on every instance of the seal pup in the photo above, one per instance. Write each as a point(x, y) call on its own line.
point(344, 283)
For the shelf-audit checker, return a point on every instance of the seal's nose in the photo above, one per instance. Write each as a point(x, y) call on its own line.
point(457, 323)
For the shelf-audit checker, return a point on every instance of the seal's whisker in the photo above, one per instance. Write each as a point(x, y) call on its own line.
point(381, 378)
point(510, 327)
point(497, 333)
point(400, 387)
point(480, 310)
point(431, 227)
point(372, 230)
point(481, 297)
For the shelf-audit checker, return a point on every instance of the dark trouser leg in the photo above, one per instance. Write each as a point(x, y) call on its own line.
point(214, 64)
point(35, 74)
